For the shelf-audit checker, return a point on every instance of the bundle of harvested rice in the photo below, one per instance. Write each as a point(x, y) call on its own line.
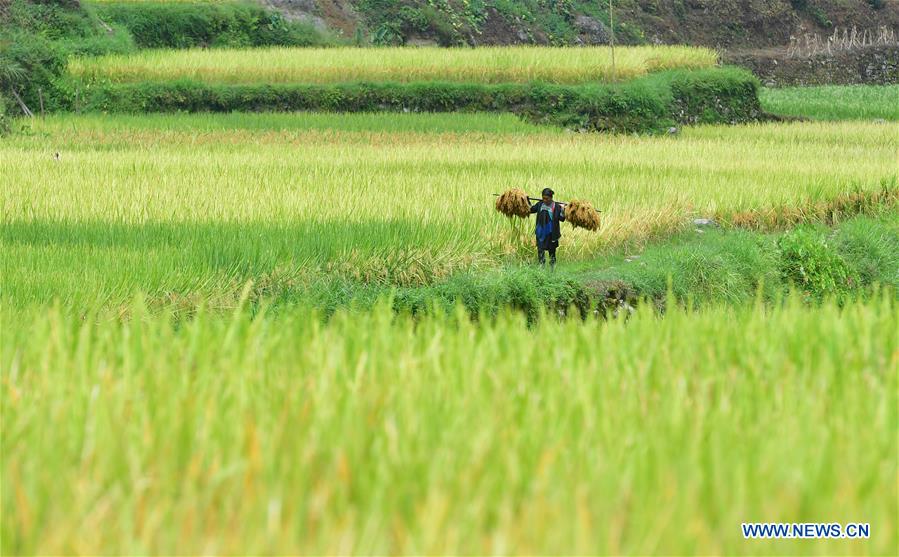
point(513, 203)
point(582, 214)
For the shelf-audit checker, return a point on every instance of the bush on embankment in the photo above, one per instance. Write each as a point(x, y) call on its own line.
point(36, 39)
point(29, 70)
point(158, 24)
point(716, 95)
point(717, 266)
point(68, 24)
point(646, 104)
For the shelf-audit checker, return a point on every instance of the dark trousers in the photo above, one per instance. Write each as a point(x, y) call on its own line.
point(541, 256)
point(547, 246)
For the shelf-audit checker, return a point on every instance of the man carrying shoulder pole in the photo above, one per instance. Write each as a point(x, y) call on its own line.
point(549, 215)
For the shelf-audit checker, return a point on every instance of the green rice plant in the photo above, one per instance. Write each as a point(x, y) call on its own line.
point(834, 102)
point(249, 434)
point(131, 127)
point(732, 267)
point(334, 65)
point(181, 206)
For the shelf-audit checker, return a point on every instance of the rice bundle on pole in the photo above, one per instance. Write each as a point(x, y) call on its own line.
point(514, 203)
point(581, 214)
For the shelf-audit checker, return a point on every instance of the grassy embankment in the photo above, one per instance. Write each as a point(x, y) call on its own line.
point(700, 269)
point(648, 89)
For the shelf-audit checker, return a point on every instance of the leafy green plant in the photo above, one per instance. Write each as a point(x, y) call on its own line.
point(809, 261)
point(30, 67)
point(819, 16)
point(387, 34)
point(36, 38)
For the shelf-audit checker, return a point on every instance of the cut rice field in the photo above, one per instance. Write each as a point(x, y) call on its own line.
point(377, 434)
point(193, 206)
point(569, 65)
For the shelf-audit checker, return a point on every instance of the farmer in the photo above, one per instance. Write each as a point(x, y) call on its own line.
point(549, 215)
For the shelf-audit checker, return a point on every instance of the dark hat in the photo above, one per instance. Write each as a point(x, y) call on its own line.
point(549, 192)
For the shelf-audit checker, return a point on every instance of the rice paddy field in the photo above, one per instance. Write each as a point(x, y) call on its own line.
point(834, 102)
point(375, 434)
point(571, 65)
point(196, 205)
point(246, 426)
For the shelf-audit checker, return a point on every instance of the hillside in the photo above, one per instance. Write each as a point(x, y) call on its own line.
point(37, 38)
point(732, 24)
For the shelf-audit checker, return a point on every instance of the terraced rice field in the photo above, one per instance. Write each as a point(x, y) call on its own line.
point(334, 65)
point(835, 102)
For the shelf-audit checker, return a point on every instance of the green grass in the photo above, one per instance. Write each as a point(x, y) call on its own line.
point(704, 268)
point(191, 207)
point(376, 434)
point(834, 102)
point(519, 64)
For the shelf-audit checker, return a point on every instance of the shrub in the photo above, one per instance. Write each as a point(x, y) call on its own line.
point(30, 66)
point(119, 41)
point(872, 249)
point(51, 19)
point(820, 17)
point(809, 262)
point(158, 24)
point(37, 37)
